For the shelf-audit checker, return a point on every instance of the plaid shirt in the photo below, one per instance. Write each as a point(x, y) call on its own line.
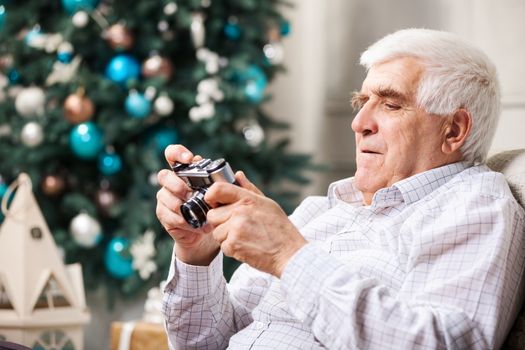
point(436, 261)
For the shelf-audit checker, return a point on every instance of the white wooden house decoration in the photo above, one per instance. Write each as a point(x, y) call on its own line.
point(42, 301)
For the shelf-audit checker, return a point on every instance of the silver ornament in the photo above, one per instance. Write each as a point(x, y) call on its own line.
point(198, 32)
point(30, 102)
point(86, 231)
point(163, 105)
point(274, 52)
point(254, 134)
point(80, 19)
point(32, 134)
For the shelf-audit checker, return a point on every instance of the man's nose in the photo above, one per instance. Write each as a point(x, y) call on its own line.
point(365, 122)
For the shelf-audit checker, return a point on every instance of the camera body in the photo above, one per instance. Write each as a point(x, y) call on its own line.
point(199, 177)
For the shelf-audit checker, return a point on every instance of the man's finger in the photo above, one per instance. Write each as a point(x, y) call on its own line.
point(219, 215)
point(220, 234)
point(178, 153)
point(245, 183)
point(221, 193)
point(173, 183)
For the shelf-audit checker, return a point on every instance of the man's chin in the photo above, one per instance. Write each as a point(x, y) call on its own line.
point(365, 181)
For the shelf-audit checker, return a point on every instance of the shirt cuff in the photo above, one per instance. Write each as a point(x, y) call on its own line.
point(303, 278)
point(190, 281)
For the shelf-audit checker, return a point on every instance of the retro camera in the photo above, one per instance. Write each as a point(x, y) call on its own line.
point(199, 177)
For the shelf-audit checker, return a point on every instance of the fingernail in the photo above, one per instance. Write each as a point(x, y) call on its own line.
point(186, 156)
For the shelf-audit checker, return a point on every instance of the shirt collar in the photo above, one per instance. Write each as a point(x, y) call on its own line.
point(408, 190)
point(420, 185)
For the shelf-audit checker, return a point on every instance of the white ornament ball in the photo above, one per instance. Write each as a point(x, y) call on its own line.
point(80, 19)
point(86, 231)
point(30, 102)
point(32, 134)
point(254, 134)
point(170, 8)
point(274, 52)
point(153, 179)
point(163, 105)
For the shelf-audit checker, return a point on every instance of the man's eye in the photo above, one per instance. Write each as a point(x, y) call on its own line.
point(392, 107)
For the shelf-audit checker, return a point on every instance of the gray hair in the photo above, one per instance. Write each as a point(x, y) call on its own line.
point(457, 75)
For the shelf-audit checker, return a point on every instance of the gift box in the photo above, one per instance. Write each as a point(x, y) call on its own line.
point(138, 335)
point(145, 334)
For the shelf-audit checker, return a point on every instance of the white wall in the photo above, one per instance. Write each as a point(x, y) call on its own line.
point(323, 51)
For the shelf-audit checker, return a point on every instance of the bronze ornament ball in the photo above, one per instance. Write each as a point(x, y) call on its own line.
point(119, 37)
point(78, 108)
point(105, 199)
point(157, 66)
point(53, 185)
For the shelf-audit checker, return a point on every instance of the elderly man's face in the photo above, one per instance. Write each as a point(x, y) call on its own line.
point(394, 138)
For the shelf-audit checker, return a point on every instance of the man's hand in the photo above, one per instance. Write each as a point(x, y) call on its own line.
point(252, 228)
point(193, 246)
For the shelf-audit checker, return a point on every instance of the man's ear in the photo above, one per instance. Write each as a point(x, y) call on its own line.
point(457, 131)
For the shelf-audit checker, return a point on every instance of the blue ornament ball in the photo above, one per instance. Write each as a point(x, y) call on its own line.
point(109, 163)
point(117, 260)
point(13, 76)
point(64, 56)
point(72, 6)
point(286, 28)
point(255, 83)
point(137, 105)
point(123, 68)
point(86, 140)
point(3, 16)
point(232, 31)
point(162, 138)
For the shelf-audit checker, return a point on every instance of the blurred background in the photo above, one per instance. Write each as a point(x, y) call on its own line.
point(305, 82)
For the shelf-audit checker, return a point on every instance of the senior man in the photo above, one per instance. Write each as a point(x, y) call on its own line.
point(422, 248)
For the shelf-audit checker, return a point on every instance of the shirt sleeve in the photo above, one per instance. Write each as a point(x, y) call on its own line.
point(468, 272)
point(201, 310)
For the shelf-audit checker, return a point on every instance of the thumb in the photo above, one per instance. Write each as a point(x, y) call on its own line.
point(247, 184)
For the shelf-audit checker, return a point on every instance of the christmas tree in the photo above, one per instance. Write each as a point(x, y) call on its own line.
point(91, 93)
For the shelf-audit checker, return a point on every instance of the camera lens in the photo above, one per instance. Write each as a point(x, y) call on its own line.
point(194, 210)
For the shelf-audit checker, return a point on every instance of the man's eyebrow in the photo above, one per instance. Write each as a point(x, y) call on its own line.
point(358, 100)
point(388, 92)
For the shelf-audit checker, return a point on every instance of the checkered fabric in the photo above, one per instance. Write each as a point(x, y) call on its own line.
point(436, 261)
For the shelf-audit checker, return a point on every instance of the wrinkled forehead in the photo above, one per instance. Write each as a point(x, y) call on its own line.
point(399, 74)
